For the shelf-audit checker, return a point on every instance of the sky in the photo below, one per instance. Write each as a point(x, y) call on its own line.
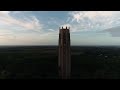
point(42, 27)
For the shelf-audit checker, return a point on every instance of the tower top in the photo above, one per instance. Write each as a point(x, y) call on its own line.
point(64, 28)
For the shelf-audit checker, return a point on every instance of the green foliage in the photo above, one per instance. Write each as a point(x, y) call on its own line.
point(42, 63)
point(4, 74)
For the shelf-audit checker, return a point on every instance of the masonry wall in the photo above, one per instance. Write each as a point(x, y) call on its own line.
point(64, 53)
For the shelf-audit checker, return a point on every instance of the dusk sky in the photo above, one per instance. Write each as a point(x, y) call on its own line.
point(42, 27)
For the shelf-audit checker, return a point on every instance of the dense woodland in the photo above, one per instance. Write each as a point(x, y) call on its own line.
point(41, 62)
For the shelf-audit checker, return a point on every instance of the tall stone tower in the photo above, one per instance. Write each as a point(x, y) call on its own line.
point(64, 58)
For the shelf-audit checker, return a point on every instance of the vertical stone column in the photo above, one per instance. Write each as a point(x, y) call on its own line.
point(64, 58)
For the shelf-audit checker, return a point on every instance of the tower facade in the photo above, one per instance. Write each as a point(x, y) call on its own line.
point(64, 58)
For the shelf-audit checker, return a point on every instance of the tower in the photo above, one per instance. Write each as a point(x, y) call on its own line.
point(64, 58)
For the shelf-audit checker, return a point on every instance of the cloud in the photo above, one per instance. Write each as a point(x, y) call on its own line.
point(80, 15)
point(25, 23)
point(7, 37)
point(51, 30)
point(75, 27)
point(10, 24)
point(93, 20)
point(115, 31)
point(7, 34)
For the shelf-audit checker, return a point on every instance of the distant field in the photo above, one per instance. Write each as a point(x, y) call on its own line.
point(41, 62)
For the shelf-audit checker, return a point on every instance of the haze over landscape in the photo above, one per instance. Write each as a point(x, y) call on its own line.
point(41, 27)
